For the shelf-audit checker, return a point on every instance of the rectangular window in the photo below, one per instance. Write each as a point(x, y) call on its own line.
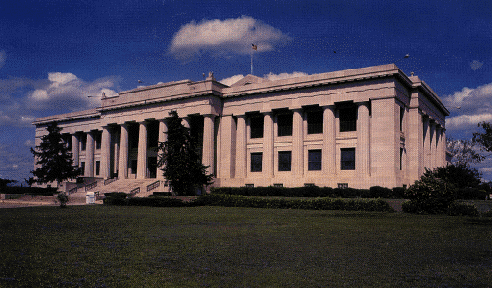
point(256, 126)
point(82, 168)
point(284, 160)
point(249, 185)
point(315, 122)
point(98, 137)
point(133, 166)
point(83, 142)
point(284, 124)
point(401, 158)
point(402, 113)
point(98, 167)
point(348, 118)
point(278, 185)
point(342, 185)
point(347, 158)
point(256, 162)
point(314, 160)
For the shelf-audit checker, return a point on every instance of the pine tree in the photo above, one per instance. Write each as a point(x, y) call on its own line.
point(180, 161)
point(54, 157)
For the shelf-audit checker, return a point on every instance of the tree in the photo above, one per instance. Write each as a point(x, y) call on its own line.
point(180, 161)
point(484, 139)
point(5, 182)
point(460, 175)
point(464, 152)
point(54, 158)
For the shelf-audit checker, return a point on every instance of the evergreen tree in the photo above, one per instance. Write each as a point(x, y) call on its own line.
point(54, 157)
point(180, 160)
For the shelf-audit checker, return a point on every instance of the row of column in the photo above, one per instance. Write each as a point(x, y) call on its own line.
point(434, 144)
point(105, 156)
point(328, 148)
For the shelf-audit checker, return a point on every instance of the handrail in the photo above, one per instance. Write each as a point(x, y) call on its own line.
point(72, 191)
point(135, 191)
point(110, 180)
point(90, 186)
point(154, 185)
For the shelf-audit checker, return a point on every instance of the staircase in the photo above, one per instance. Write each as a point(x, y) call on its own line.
point(129, 185)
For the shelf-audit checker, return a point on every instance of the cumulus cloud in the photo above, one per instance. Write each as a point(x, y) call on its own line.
point(475, 65)
point(68, 91)
point(225, 37)
point(3, 57)
point(475, 105)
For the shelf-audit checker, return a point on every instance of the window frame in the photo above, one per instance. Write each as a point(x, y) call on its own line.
point(256, 166)
point(286, 158)
point(314, 126)
point(317, 162)
point(285, 122)
point(255, 129)
point(347, 116)
point(347, 164)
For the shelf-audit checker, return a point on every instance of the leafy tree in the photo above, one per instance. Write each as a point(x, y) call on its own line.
point(460, 175)
point(5, 182)
point(484, 138)
point(429, 195)
point(180, 160)
point(464, 152)
point(54, 157)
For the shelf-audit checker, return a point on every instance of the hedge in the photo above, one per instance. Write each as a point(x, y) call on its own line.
point(29, 190)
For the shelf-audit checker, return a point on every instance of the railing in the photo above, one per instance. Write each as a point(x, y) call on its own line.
point(135, 191)
point(72, 191)
point(154, 185)
point(90, 186)
point(110, 180)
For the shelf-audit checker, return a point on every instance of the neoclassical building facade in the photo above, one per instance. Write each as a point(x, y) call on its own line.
point(352, 128)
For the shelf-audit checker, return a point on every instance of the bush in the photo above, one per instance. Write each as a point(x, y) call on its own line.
point(155, 201)
point(471, 194)
point(29, 191)
point(487, 214)
point(62, 199)
point(429, 195)
point(398, 192)
point(380, 192)
point(462, 209)
point(115, 198)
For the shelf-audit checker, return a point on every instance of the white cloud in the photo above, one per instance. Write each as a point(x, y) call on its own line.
point(3, 57)
point(224, 37)
point(272, 77)
point(231, 80)
point(475, 105)
point(475, 65)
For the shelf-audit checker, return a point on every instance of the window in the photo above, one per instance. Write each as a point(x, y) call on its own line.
point(347, 158)
point(314, 160)
point(98, 136)
point(402, 112)
point(249, 185)
point(83, 142)
point(82, 168)
point(315, 122)
point(348, 118)
point(256, 162)
point(342, 185)
point(256, 126)
point(98, 167)
point(278, 185)
point(284, 124)
point(401, 158)
point(133, 166)
point(284, 160)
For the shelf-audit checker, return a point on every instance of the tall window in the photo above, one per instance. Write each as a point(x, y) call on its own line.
point(347, 158)
point(133, 166)
point(348, 118)
point(256, 162)
point(315, 122)
point(402, 112)
point(98, 167)
point(82, 168)
point(284, 124)
point(284, 160)
point(314, 160)
point(256, 126)
point(401, 158)
point(98, 138)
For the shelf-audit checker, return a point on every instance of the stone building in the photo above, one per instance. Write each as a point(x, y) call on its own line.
point(352, 128)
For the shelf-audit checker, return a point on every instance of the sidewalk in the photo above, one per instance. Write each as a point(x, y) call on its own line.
point(30, 201)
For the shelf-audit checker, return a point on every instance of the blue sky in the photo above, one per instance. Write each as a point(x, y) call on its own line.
point(55, 53)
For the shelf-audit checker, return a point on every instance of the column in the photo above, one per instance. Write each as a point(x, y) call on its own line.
point(363, 149)
point(186, 122)
point(106, 153)
point(442, 150)
point(426, 142)
point(241, 147)
point(75, 149)
point(123, 158)
point(297, 143)
point(328, 164)
point(432, 144)
point(208, 142)
point(227, 147)
point(142, 151)
point(162, 138)
point(89, 155)
point(268, 145)
point(436, 157)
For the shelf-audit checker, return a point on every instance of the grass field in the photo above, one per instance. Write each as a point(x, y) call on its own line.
point(108, 246)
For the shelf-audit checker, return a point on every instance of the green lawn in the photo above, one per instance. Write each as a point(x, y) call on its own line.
point(110, 246)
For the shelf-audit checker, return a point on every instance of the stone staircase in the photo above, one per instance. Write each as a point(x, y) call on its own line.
point(129, 186)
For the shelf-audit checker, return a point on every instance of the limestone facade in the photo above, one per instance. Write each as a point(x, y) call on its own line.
point(355, 128)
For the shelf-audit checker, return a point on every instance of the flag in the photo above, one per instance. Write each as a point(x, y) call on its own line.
point(254, 47)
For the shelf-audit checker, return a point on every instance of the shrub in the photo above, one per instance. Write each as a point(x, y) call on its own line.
point(115, 198)
point(471, 194)
point(155, 201)
point(398, 192)
point(487, 214)
point(62, 199)
point(462, 209)
point(29, 190)
point(430, 195)
point(380, 192)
